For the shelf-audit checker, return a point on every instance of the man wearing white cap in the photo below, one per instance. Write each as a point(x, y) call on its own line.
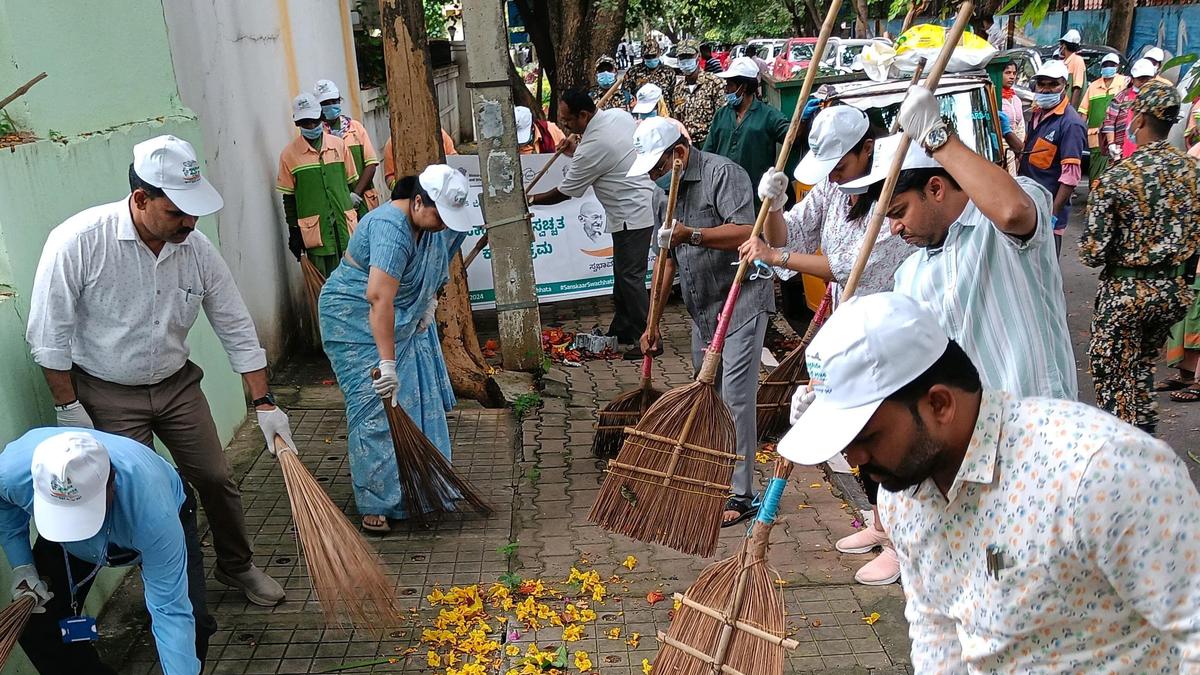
point(1034, 535)
point(1053, 152)
point(358, 143)
point(1156, 56)
point(713, 217)
point(533, 135)
point(1094, 106)
point(1114, 132)
point(1068, 45)
point(649, 103)
point(116, 292)
point(988, 268)
point(100, 500)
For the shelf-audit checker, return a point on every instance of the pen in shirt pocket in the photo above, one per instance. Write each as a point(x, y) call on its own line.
point(997, 561)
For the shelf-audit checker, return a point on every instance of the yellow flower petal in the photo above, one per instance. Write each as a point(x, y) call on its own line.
point(646, 666)
point(433, 659)
point(614, 633)
point(872, 618)
point(630, 563)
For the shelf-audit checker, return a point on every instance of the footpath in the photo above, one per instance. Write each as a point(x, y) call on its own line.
point(539, 473)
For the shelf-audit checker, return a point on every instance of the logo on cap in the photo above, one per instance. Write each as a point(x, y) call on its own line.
point(816, 374)
point(457, 197)
point(63, 489)
point(323, 88)
point(191, 171)
point(303, 104)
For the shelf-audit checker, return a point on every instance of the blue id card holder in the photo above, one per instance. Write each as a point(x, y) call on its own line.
point(78, 629)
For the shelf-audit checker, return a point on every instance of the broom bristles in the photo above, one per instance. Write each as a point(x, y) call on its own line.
point(774, 399)
point(684, 511)
point(346, 574)
point(626, 410)
point(314, 281)
point(12, 624)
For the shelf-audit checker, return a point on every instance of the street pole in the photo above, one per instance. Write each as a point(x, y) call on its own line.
point(504, 207)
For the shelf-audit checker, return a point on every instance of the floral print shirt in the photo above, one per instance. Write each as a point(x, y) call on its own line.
point(1092, 530)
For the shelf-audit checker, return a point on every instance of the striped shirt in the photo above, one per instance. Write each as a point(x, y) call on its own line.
point(1001, 299)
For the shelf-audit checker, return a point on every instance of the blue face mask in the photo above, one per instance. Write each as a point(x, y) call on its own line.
point(1108, 71)
point(688, 66)
point(313, 133)
point(664, 181)
point(652, 62)
point(1047, 101)
point(646, 116)
point(332, 112)
point(733, 99)
point(606, 79)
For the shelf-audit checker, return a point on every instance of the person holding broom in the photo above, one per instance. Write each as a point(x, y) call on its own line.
point(358, 144)
point(377, 311)
point(714, 216)
point(1035, 535)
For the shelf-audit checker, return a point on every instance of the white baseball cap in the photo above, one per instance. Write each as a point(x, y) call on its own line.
point(835, 131)
point(306, 107)
point(325, 90)
point(651, 138)
point(881, 162)
point(524, 119)
point(647, 98)
point(70, 486)
point(1110, 58)
point(1155, 54)
point(870, 348)
point(742, 66)
point(450, 192)
point(170, 164)
point(1072, 36)
point(1143, 68)
point(1054, 69)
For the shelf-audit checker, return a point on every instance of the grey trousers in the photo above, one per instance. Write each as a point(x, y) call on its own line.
point(738, 384)
point(631, 300)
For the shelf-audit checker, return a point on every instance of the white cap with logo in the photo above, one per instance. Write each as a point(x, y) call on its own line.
point(170, 164)
point(1143, 68)
point(742, 66)
point(1155, 54)
point(651, 138)
point(647, 98)
point(881, 162)
point(870, 348)
point(835, 131)
point(326, 90)
point(1072, 36)
point(524, 119)
point(1110, 57)
point(305, 107)
point(1053, 69)
point(70, 486)
point(450, 192)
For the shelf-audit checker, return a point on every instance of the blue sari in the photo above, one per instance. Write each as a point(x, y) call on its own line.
point(385, 239)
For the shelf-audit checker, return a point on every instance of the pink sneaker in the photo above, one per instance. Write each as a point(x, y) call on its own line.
point(863, 541)
point(881, 571)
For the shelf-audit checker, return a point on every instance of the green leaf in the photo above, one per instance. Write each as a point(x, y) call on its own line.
point(560, 659)
point(511, 580)
point(1181, 60)
point(509, 549)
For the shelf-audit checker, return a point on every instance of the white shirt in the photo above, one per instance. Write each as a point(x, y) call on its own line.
point(103, 301)
point(604, 154)
point(1098, 530)
point(1001, 299)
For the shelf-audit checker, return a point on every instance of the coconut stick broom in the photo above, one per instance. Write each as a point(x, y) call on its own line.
point(775, 392)
point(313, 282)
point(427, 479)
point(12, 624)
point(732, 619)
point(346, 574)
point(627, 409)
point(669, 482)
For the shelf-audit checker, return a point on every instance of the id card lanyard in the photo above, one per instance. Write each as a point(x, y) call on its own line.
point(74, 588)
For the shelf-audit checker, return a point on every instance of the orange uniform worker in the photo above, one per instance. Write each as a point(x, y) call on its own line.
point(389, 160)
point(535, 136)
point(357, 141)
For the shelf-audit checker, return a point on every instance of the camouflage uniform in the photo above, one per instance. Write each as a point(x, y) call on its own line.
point(619, 99)
point(663, 75)
point(695, 104)
point(1142, 227)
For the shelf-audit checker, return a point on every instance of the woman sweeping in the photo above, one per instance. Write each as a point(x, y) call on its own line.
point(377, 311)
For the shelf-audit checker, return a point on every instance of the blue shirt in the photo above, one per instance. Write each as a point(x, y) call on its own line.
point(1059, 137)
point(144, 517)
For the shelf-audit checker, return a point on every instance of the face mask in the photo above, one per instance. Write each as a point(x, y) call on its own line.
point(664, 181)
point(733, 99)
point(688, 66)
point(1047, 101)
point(646, 116)
point(313, 133)
point(1108, 71)
point(652, 62)
point(606, 79)
point(332, 112)
point(854, 190)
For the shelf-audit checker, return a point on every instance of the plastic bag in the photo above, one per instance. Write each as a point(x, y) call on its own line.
point(926, 40)
point(878, 61)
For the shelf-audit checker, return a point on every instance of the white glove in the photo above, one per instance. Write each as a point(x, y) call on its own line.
point(664, 235)
point(1114, 152)
point(274, 423)
point(429, 316)
point(73, 415)
point(920, 114)
point(803, 398)
point(772, 186)
point(25, 581)
point(387, 384)
point(356, 199)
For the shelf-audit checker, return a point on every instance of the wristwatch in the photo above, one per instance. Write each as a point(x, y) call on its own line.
point(269, 399)
point(937, 137)
point(783, 258)
point(696, 238)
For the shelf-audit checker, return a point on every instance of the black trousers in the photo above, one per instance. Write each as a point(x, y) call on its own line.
point(42, 640)
point(631, 300)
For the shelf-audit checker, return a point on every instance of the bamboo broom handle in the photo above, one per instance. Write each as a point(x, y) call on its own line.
point(751, 629)
point(889, 185)
point(921, 62)
point(656, 304)
point(712, 358)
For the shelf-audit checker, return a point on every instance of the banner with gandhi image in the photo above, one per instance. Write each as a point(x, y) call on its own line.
point(572, 254)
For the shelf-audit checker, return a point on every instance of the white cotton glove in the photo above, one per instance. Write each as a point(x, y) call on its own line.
point(25, 581)
point(1114, 152)
point(803, 398)
point(664, 235)
point(920, 114)
point(387, 384)
point(274, 423)
point(356, 199)
point(74, 415)
point(429, 316)
point(772, 186)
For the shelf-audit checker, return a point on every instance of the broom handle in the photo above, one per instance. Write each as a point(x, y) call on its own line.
point(712, 358)
point(921, 63)
point(889, 185)
point(656, 304)
point(281, 445)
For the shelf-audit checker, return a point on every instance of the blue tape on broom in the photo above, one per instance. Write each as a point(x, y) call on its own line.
point(770, 504)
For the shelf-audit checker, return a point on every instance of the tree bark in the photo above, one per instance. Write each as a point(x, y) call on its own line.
point(1120, 24)
point(801, 16)
point(413, 116)
point(862, 27)
point(913, 11)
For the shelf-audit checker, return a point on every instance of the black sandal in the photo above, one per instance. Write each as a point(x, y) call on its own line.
point(1190, 395)
point(1176, 383)
point(746, 508)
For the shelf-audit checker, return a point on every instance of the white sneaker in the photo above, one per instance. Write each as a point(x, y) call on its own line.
point(259, 588)
point(881, 571)
point(863, 541)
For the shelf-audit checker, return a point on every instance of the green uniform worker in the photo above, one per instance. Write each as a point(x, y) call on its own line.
point(316, 173)
point(357, 142)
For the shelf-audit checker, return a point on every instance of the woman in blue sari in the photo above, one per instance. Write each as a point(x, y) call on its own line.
point(377, 311)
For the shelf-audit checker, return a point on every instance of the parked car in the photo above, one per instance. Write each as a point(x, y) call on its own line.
point(793, 59)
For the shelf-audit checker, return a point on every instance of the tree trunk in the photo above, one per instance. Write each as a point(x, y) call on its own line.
point(913, 12)
point(521, 93)
point(862, 27)
point(413, 115)
point(798, 16)
point(1120, 24)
